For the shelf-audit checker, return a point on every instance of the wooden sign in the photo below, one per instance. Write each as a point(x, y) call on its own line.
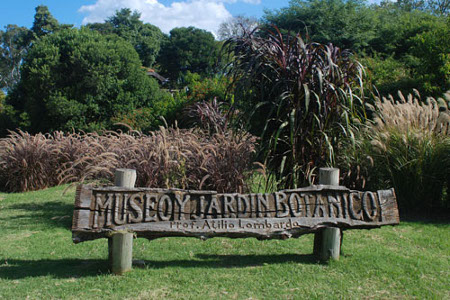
point(153, 213)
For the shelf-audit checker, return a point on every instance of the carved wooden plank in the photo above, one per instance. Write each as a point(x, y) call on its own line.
point(154, 213)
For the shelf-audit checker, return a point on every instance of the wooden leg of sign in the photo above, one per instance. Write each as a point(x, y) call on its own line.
point(327, 242)
point(331, 244)
point(122, 252)
point(120, 244)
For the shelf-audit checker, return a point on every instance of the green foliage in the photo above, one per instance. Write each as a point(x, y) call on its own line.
point(15, 41)
point(415, 41)
point(164, 110)
point(346, 24)
point(79, 79)
point(437, 7)
point(389, 75)
point(301, 98)
point(145, 38)
point(395, 28)
point(44, 23)
point(188, 49)
point(6, 115)
point(391, 33)
point(208, 88)
point(432, 48)
point(13, 47)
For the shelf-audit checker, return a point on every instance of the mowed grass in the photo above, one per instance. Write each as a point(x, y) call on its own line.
point(39, 261)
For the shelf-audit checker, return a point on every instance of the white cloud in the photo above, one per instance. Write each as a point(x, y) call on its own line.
point(204, 14)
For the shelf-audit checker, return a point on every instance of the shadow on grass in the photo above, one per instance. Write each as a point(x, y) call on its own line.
point(51, 213)
point(67, 268)
point(233, 261)
point(62, 268)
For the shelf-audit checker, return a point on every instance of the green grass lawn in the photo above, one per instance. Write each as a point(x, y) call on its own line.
point(39, 261)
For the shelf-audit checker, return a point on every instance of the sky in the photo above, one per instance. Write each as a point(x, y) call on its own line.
point(166, 14)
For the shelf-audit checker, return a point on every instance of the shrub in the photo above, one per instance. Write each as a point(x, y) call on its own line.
point(190, 159)
point(206, 89)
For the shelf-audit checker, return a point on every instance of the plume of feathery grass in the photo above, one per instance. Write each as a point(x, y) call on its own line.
point(190, 159)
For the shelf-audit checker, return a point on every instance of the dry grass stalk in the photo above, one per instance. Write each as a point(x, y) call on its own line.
point(410, 115)
point(189, 159)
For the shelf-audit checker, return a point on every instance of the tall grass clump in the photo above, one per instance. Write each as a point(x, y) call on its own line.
point(188, 159)
point(301, 98)
point(27, 162)
point(407, 146)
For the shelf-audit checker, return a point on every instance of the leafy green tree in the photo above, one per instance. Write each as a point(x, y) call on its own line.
point(13, 47)
point(15, 41)
point(347, 24)
point(103, 28)
point(385, 36)
point(44, 23)
point(188, 49)
point(396, 27)
point(145, 38)
point(432, 48)
point(397, 44)
point(436, 7)
point(79, 79)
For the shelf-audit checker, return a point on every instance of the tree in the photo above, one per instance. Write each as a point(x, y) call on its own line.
point(44, 23)
point(347, 24)
point(440, 7)
point(188, 49)
point(145, 38)
point(236, 26)
point(79, 79)
point(15, 41)
point(432, 48)
point(437, 7)
point(13, 47)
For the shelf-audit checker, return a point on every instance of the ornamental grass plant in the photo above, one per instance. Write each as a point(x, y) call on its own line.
point(301, 98)
point(407, 146)
point(187, 159)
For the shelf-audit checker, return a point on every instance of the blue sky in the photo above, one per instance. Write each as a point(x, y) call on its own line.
point(166, 14)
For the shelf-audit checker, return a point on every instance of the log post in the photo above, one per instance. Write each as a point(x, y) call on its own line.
point(122, 252)
point(125, 178)
point(327, 242)
point(120, 244)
